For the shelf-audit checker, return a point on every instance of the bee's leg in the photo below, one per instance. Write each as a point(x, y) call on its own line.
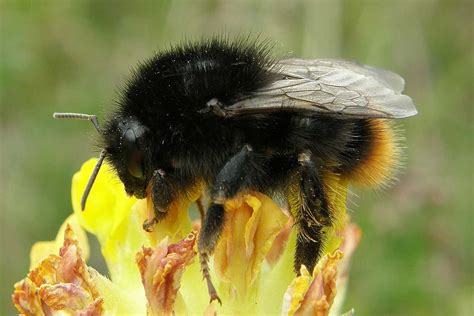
point(161, 192)
point(211, 230)
point(312, 216)
point(159, 198)
point(244, 171)
point(149, 223)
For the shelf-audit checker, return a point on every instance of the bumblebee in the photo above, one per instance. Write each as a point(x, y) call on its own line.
point(226, 113)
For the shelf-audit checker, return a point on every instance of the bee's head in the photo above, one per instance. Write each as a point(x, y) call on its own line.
point(125, 140)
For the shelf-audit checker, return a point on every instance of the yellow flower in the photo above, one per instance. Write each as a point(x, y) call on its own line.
point(157, 273)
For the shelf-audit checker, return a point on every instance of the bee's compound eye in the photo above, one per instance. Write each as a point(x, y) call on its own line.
point(133, 154)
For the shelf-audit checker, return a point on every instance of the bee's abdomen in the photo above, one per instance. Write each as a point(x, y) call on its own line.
point(372, 154)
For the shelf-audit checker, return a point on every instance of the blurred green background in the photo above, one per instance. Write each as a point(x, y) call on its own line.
point(416, 255)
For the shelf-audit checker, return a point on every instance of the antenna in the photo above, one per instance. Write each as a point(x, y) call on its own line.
point(79, 116)
point(103, 153)
point(88, 188)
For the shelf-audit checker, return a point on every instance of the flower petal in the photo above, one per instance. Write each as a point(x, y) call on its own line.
point(252, 224)
point(25, 298)
point(59, 283)
point(161, 269)
point(322, 291)
point(275, 280)
point(65, 296)
point(316, 294)
point(119, 300)
point(296, 292)
point(313, 295)
point(107, 204)
point(279, 244)
point(351, 239)
point(43, 249)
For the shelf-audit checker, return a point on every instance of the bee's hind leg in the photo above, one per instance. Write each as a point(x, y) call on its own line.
point(312, 216)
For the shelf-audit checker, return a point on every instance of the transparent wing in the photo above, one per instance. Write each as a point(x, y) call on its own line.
point(332, 87)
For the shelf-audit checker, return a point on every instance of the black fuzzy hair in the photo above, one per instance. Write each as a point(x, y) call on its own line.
point(184, 78)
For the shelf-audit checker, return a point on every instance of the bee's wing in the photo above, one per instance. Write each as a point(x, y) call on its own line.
point(331, 87)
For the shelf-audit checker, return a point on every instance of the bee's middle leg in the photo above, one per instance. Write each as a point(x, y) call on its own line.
point(245, 171)
point(211, 230)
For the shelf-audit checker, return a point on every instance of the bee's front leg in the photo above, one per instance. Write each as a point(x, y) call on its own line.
point(159, 200)
point(164, 187)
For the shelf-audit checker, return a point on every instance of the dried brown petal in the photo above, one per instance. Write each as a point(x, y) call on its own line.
point(161, 269)
point(59, 283)
point(322, 291)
